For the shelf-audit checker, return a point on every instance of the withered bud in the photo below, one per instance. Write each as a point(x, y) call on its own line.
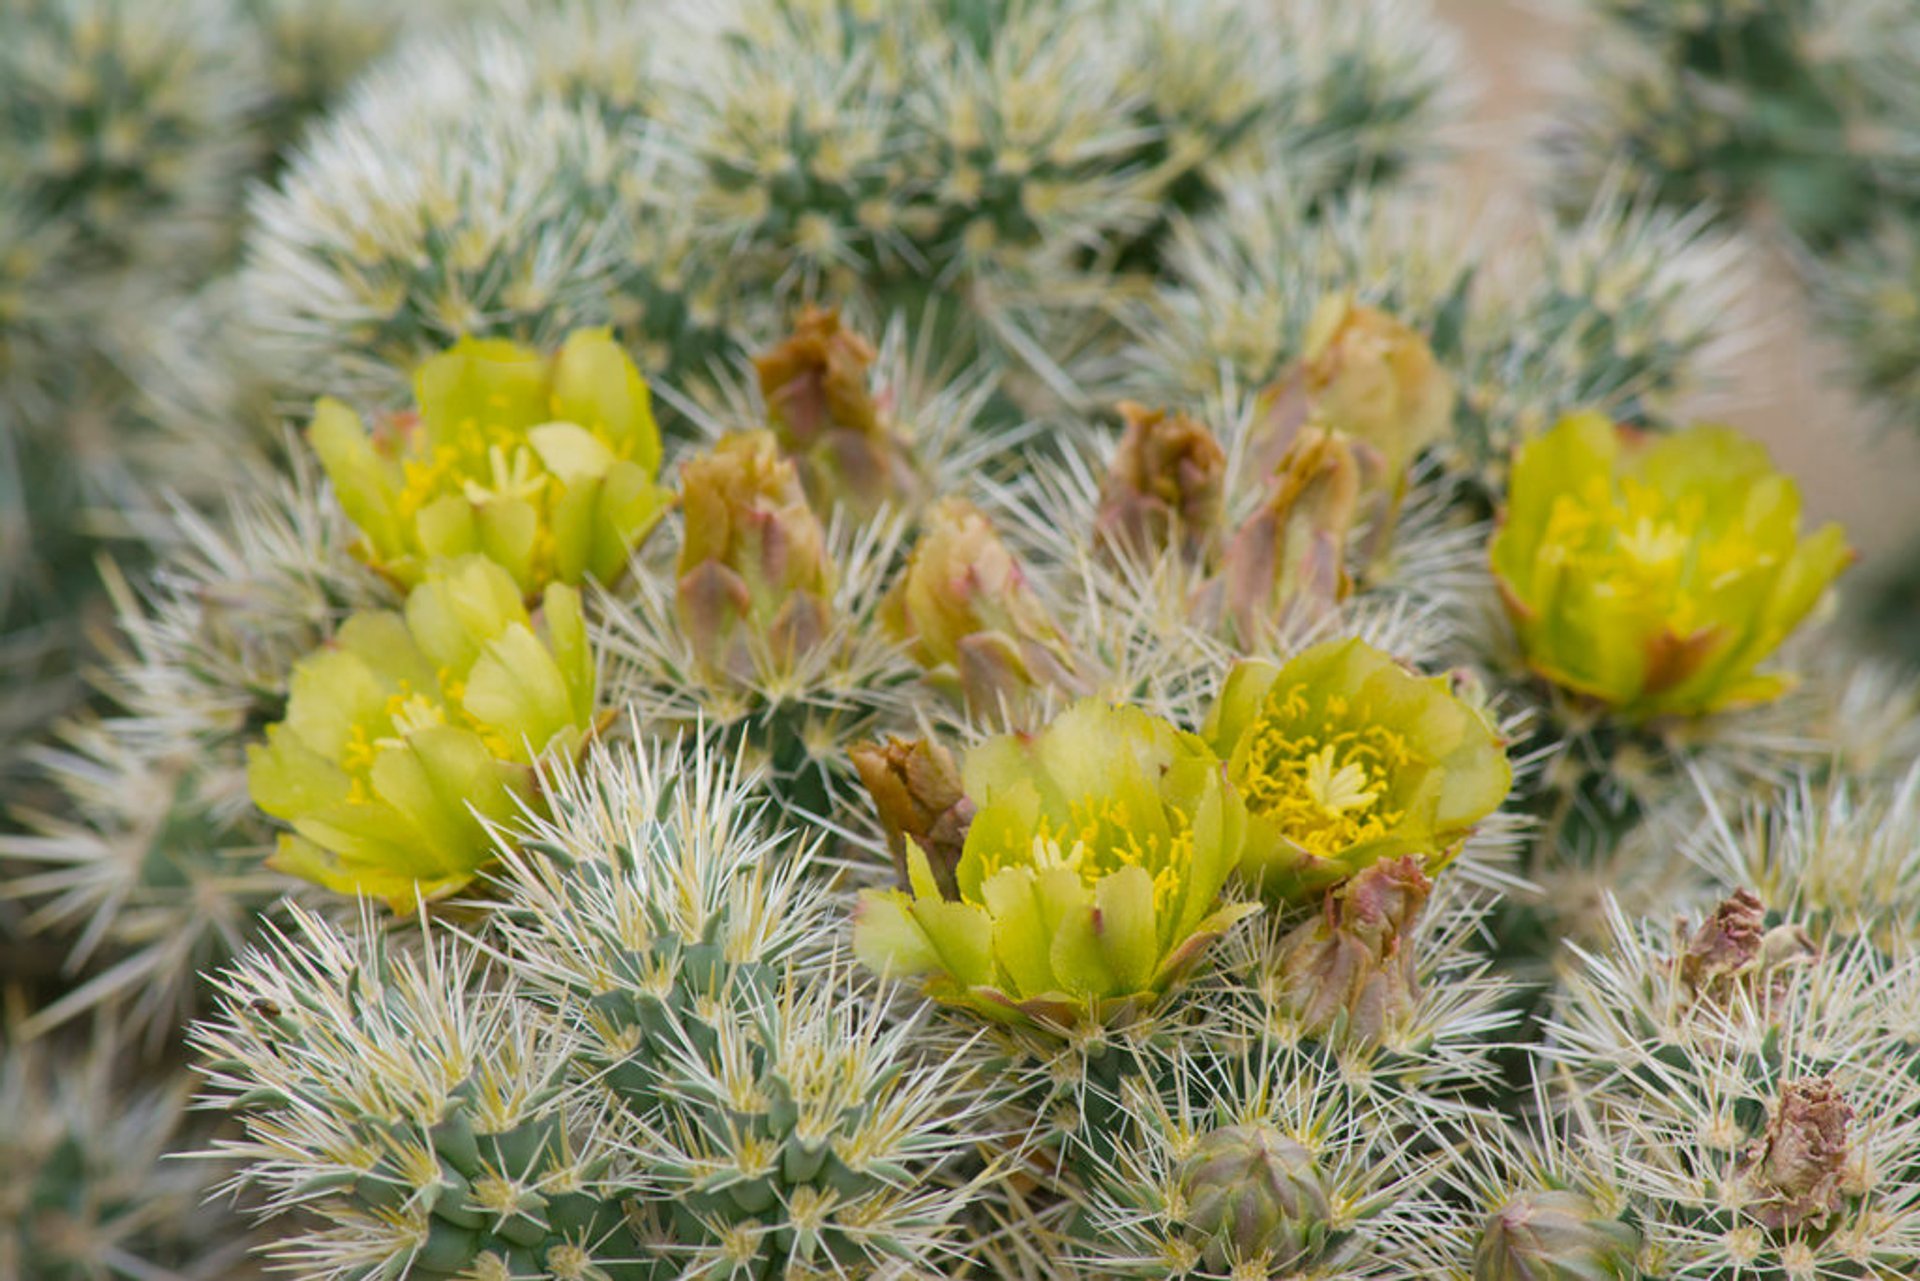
point(822, 408)
point(915, 785)
point(1798, 1167)
point(1165, 485)
point(1734, 942)
point(1355, 961)
point(1727, 942)
point(1290, 557)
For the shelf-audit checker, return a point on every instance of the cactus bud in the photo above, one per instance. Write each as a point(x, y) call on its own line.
point(1735, 942)
point(1797, 1169)
point(1165, 485)
point(967, 613)
point(1355, 961)
point(1290, 557)
point(1556, 1235)
point(917, 789)
point(826, 417)
point(1366, 374)
point(1254, 1193)
point(754, 577)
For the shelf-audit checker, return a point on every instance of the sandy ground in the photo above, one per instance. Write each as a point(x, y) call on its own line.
point(1783, 389)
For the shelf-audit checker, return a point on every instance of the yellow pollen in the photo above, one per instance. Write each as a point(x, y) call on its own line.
point(1322, 779)
point(1101, 836)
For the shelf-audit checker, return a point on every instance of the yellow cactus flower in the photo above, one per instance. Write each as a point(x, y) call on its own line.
point(545, 465)
point(754, 577)
point(1655, 575)
point(968, 615)
point(1345, 758)
point(409, 730)
point(1089, 881)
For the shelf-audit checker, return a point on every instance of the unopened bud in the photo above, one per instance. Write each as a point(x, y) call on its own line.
point(754, 577)
point(825, 414)
point(916, 788)
point(1290, 557)
point(1255, 1194)
point(1554, 1235)
point(1798, 1167)
point(968, 614)
point(1373, 377)
point(1355, 962)
point(1165, 485)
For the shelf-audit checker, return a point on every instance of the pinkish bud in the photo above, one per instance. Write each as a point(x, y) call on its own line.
point(1356, 959)
point(1165, 485)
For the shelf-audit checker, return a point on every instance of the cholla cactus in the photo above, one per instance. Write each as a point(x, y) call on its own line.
point(1869, 298)
point(146, 855)
point(660, 1072)
point(488, 214)
point(1752, 1096)
point(1776, 105)
point(91, 1184)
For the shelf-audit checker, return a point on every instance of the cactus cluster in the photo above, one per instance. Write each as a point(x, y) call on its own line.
point(962, 638)
point(1797, 115)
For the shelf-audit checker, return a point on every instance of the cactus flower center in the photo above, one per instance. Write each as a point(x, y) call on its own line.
point(1324, 787)
point(1101, 837)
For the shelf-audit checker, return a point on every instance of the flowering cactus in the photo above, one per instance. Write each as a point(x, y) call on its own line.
point(545, 466)
point(1655, 576)
point(410, 733)
point(1091, 877)
point(1345, 759)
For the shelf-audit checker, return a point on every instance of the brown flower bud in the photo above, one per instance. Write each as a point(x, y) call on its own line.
point(968, 614)
point(1356, 959)
point(825, 415)
point(1725, 943)
point(754, 577)
point(1290, 557)
point(1797, 1168)
point(1165, 485)
point(916, 788)
point(1735, 943)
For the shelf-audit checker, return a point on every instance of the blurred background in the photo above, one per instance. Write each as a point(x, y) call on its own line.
point(1786, 386)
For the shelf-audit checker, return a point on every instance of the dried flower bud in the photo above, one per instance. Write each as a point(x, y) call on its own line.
point(917, 789)
point(1554, 1235)
point(1735, 942)
point(1290, 557)
point(1355, 962)
point(754, 577)
point(1797, 1168)
point(1728, 942)
point(1165, 485)
point(825, 415)
point(1256, 1194)
point(968, 614)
